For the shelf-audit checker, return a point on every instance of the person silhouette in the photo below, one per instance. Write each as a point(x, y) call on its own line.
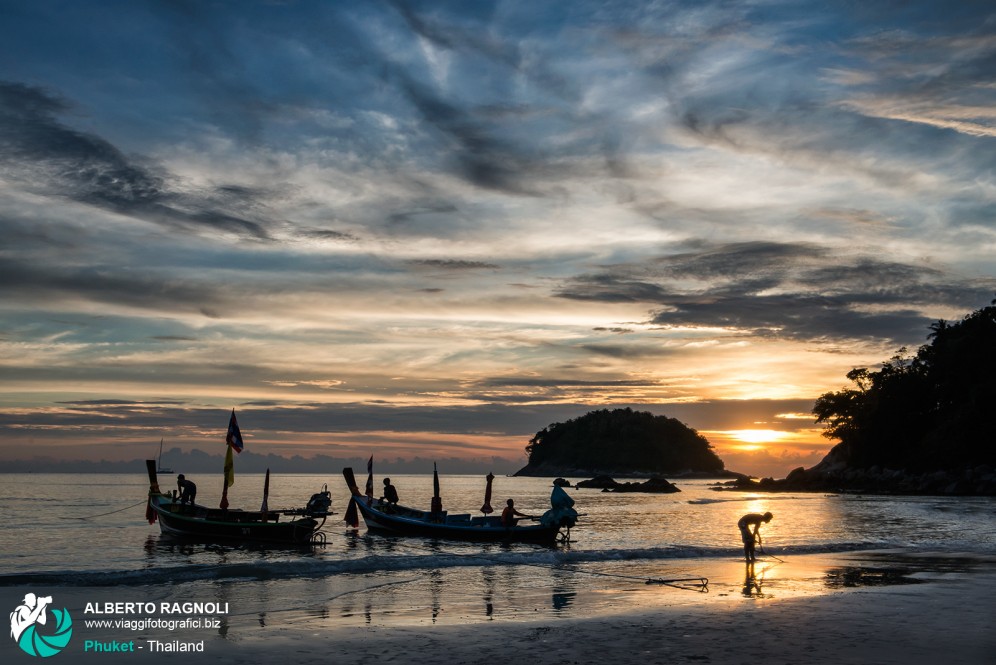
point(188, 490)
point(390, 493)
point(509, 513)
point(751, 537)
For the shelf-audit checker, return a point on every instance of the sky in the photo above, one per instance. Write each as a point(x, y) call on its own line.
point(430, 229)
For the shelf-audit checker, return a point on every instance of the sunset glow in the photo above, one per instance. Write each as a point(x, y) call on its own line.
point(439, 230)
point(758, 435)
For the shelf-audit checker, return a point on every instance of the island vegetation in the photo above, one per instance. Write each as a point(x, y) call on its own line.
point(921, 423)
point(620, 442)
point(922, 412)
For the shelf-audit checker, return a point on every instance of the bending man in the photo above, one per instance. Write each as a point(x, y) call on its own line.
point(751, 537)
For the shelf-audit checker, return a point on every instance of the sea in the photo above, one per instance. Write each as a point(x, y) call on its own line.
point(84, 537)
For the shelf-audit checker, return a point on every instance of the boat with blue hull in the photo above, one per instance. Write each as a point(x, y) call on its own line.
point(554, 526)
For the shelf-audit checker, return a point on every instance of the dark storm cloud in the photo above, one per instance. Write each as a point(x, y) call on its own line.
point(784, 290)
point(36, 147)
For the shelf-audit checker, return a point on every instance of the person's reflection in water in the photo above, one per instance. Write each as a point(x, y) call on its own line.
point(751, 585)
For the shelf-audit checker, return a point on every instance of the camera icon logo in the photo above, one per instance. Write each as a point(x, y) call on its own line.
point(30, 628)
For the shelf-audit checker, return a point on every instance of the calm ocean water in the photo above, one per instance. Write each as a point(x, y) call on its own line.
point(75, 530)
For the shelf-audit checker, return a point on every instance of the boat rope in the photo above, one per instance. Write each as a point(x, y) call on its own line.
point(687, 583)
point(120, 510)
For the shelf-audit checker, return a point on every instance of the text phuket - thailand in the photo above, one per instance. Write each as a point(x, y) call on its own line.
point(156, 608)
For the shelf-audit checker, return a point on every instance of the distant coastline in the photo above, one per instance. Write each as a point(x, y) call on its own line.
point(197, 461)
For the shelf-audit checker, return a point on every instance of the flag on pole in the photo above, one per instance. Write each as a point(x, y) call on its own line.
point(229, 468)
point(370, 479)
point(234, 436)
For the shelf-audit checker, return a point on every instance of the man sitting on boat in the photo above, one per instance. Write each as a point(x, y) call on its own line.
point(188, 490)
point(508, 515)
point(390, 493)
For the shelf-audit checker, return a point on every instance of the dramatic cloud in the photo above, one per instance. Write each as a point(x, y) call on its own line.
point(414, 226)
point(38, 150)
point(789, 290)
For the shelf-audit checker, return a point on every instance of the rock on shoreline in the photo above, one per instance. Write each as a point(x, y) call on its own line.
point(976, 481)
point(654, 485)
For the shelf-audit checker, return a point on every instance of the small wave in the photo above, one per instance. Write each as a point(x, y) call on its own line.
point(317, 568)
point(703, 502)
point(748, 496)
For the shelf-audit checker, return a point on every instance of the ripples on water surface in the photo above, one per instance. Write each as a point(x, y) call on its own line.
point(43, 532)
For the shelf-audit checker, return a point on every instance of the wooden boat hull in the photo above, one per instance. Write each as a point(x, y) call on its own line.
point(202, 523)
point(409, 522)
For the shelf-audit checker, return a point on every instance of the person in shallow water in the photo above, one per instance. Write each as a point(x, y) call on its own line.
point(188, 490)
point(509, 513)
point(751, 537)
point(390, 493)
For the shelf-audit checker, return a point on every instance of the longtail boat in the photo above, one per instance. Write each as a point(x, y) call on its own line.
point(203, 523)
point(191, 520)
point(383, 516)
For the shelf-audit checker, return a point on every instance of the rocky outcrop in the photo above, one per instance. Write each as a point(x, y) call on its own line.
point(598, 482)
point(824, 477)
point(654, 485)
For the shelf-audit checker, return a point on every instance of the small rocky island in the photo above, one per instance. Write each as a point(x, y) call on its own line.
point(653, 485)
point(621, 442)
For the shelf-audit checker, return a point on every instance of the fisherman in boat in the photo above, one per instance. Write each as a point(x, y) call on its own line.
point(390, 494)
point(188, 490)
point(749, 537)
point(508, 515)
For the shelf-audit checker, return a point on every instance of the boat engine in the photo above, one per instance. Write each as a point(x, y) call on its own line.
point(320, 504)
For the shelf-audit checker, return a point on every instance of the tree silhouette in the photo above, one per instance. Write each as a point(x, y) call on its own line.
point(921, 412)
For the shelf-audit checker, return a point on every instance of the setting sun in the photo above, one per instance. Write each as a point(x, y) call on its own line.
point(757, 435)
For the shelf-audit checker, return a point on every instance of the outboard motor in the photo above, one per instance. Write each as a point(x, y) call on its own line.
point(320, 504)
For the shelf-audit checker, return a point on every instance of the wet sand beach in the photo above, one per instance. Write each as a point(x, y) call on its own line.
point(942, 612)
point(847, 608)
